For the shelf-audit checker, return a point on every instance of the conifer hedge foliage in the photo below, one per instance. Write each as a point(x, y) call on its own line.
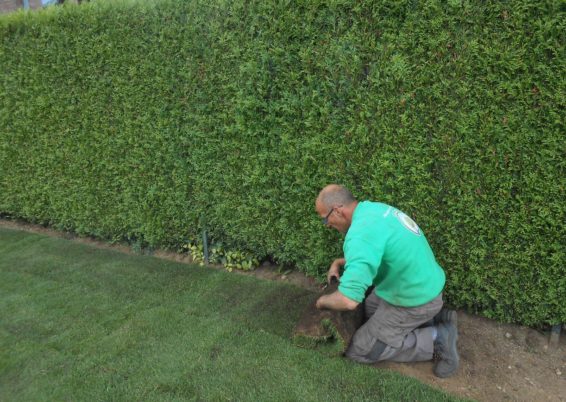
point(147, 121)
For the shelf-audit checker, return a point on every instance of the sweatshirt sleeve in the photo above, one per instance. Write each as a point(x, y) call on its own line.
point(362, 262)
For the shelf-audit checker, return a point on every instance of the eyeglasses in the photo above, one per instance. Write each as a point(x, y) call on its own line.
point(325, 219)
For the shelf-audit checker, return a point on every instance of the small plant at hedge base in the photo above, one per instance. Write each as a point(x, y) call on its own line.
point(196, 252)
point(239, 260)
point(230, 259)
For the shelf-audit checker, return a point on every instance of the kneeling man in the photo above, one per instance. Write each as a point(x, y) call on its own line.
point(386, 250)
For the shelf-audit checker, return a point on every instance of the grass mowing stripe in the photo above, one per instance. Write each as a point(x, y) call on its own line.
point(80, 323)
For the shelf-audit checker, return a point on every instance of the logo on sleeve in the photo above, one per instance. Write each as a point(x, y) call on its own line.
point(408, 222)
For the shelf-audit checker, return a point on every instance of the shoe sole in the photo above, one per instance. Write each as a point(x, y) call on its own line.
point(447, 317)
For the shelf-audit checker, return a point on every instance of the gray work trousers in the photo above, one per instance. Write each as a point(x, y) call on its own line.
point(392, 333)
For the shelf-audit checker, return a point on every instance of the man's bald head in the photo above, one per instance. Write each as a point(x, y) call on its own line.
point(335, 194)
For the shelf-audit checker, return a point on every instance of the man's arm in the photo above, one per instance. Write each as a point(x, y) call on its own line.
point(336, 301)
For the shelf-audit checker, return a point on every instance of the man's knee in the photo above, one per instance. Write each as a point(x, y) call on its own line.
point(356, 354)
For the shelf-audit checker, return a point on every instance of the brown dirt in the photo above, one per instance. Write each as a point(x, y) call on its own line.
point(499, 362)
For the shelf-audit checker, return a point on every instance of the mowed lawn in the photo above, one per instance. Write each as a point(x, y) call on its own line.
point(79, 323)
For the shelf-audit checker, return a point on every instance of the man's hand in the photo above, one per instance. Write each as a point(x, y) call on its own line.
point(336, 301)
point(334, 271)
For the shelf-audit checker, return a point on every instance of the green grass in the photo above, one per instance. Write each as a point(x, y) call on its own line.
point(79, 323)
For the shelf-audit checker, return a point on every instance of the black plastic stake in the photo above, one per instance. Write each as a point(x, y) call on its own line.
point(205, 246)
point(555, 335)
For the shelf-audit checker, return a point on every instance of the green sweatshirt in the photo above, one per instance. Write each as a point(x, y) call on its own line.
point(386, 248)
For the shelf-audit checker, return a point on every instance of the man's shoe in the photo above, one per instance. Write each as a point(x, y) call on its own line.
point(446, 351)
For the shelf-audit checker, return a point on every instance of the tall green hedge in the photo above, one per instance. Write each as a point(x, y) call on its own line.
point(145, 121)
